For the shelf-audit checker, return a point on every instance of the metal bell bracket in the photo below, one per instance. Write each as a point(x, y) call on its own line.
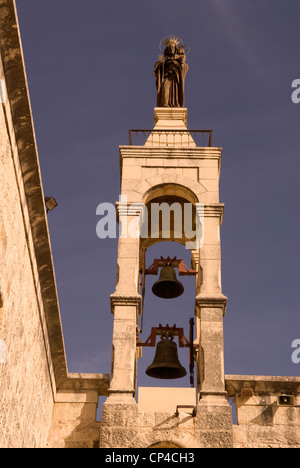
point(153, 270)
point(174, 262)
point(183, 342)
point(163, 332)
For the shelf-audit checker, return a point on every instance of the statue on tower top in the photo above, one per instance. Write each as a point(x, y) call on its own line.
point(170, 71)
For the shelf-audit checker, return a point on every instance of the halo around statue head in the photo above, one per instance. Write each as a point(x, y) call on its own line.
point(172, 39)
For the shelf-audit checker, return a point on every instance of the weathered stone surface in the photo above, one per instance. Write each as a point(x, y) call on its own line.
point(26, 393)
point(127, 427)
point(74, 425)
point(262, 422)
point(266, 437)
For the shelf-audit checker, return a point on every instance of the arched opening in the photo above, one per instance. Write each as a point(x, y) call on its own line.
point(170, 215)
point(170, 218)
point(166, 311)
point(165, 444)
point(178, 202)
point(169, 189)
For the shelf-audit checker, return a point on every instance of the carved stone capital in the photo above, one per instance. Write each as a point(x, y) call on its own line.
point(216, 301)
point(124, 209)
point(212, 210)
point(125, 301)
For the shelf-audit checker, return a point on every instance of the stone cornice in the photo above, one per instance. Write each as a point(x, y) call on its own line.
point(262, 384)
point(206, 210)
point(86, 382)
point(165, 152)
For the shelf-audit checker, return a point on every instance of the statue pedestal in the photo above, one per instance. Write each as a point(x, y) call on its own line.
point(170, 118)
point(170, 128)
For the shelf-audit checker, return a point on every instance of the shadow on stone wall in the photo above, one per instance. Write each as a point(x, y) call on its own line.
point(74, 425)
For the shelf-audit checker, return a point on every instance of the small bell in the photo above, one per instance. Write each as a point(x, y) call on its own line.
point(168, 286)
point(166, 363)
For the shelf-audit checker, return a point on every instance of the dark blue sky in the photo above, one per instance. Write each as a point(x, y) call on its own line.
point(89, 67)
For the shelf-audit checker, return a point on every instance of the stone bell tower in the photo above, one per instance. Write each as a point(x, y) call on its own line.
point(170, 166)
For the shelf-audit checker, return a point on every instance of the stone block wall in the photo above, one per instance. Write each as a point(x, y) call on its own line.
point(124, 426)
point(265, 418)
point(265, 424)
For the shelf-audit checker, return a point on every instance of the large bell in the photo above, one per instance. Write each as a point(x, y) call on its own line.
point(166, 364)
point(168, 286)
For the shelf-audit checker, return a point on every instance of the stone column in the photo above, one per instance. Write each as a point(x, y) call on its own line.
point(130, 218)
point(126, 311)
point(214, 415)
point(210, 305)
point(126, 305)
point(126, 308)
point(211, 354)
point(213, 422)
point(210, 251)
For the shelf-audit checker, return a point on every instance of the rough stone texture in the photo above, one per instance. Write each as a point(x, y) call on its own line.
point(124, 426)
point(262, 421)
point(256, 436)
point(214, 426)
point(265, 424)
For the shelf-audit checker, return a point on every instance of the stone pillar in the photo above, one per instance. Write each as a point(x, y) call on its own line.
point(214, 415)
point(211, 306)
point(211, 354)
point(126, 307)
point(126, 303)
point(129, 247)
point(210, 252)
point(125, 310)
